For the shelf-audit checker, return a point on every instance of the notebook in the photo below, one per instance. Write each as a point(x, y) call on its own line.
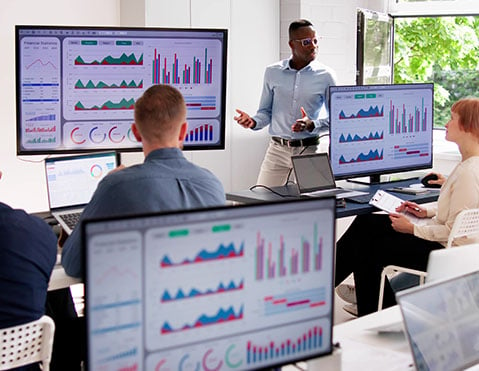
point(315, 178)
point(71, 181)
point(441, 322)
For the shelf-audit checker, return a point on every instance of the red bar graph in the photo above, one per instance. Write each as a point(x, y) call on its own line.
point(402, 121)
point(168, 72)
point(282, 260)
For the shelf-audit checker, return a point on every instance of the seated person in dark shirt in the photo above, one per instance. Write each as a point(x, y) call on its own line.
point(28, 251)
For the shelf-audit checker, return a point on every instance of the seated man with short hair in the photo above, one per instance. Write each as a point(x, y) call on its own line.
point(166, 180)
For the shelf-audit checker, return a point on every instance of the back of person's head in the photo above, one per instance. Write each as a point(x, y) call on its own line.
point(295, 25)
point(159, 113)
point(468, 111)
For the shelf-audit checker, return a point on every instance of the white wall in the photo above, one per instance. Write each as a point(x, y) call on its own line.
point(23, 184)
point(335, 23)
point(251, 46)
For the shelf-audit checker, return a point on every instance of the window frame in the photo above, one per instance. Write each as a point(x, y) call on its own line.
point(362, 17)
point(401, 8)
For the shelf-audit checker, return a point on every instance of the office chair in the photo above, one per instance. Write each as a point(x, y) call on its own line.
point(28, 343)
point(466, 225)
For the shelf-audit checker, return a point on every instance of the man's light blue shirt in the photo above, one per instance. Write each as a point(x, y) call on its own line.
point(286, 90)
point(165, 181)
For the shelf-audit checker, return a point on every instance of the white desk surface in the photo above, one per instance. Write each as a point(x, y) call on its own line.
point(59, 279)
point(364, 349)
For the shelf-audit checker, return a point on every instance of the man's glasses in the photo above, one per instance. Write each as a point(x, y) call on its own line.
point(308, 41)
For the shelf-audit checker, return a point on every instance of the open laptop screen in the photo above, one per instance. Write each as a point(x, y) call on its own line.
point(238, 288)
point(71, 180)
point(313, 172)
point(442, 323)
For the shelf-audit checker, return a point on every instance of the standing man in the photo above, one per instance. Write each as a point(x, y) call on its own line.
point(294, 92)
point(165, 181)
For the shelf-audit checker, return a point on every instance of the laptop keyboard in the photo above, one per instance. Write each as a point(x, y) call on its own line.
point(71, 219)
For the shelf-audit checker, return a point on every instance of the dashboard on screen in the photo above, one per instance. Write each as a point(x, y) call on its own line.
point(227, 288)
point(380, 129)
point(77, 86)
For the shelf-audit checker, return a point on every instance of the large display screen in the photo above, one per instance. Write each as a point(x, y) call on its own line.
point(77, 86)
point(380, 129)
point(229, 288)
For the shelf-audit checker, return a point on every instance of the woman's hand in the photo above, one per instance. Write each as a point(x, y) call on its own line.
point(401, 223)
point(412, 208)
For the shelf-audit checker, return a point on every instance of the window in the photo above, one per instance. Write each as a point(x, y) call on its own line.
point(439, 49)
point(443, 50)
point(432, 7)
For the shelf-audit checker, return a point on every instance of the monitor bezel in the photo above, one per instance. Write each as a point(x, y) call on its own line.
point(375, 175)
point(221, 145)
point(328, 202)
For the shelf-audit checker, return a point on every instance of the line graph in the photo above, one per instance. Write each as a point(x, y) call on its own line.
point(39, 63)
point(222, 252)
point(221, 316)
point(115, 273)
point(363, 113)
point(350, 138)
point(372, 155)
point(196, 293)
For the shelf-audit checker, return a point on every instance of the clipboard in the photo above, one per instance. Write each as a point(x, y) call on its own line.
point(385, 201)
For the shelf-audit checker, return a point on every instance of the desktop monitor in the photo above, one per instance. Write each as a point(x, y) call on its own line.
point(380, 129)
point(76, 86)
point(230, 288)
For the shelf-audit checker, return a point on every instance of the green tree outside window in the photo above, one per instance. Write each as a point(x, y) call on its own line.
point(443, 50)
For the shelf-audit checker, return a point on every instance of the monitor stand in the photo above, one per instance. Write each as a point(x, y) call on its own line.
point(376, 179)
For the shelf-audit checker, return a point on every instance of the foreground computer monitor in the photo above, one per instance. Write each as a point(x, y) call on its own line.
point(77, 86)
point(380, 129)
point(230, 288)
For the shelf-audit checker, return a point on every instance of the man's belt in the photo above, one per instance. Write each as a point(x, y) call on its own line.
point(311, 141)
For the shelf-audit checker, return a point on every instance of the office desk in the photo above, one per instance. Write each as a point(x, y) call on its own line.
point(290, 191)
point(364, 349)
point(59, 279)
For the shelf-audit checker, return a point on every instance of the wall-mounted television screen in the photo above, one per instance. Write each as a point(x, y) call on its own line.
point(77, 86)
point(380, 129)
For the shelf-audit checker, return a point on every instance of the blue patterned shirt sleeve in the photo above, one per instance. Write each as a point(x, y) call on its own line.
point(286, 90)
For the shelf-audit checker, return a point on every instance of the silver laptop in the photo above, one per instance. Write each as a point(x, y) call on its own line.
point(315, 178)
point(441, 321)
point(71, 181)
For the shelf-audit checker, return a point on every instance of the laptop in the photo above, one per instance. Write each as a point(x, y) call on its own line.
point(315, 178)
point(71, 181)
point(441, 322)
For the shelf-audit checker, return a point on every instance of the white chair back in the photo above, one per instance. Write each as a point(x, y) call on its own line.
point(465, 230)
point(28, 343)
point(466, 225)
